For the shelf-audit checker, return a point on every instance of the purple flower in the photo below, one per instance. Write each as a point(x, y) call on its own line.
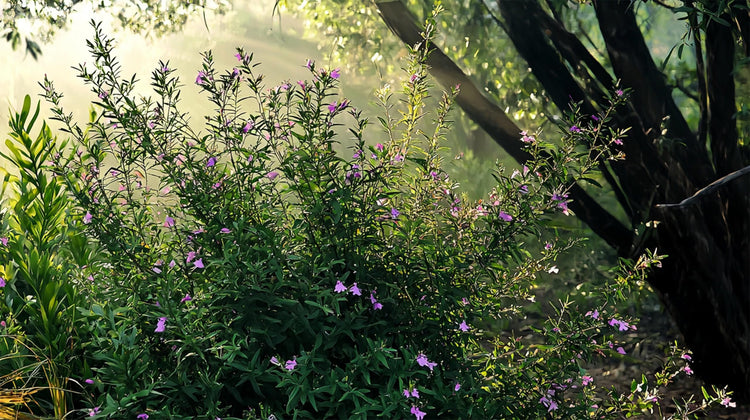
point(619, 92)
point(395, 213)
point(89, 381)
point(225, 230)
point(419, 414)
point(161, 325)
point(457, 387)
point(332, 107)
point(423, 361)
point(505, 216)
point(103, 94)
point(168, 222)
point(290, 364)
point(248, 127)
point(274, 360)
point(309, 64)
point(156, 270)
point(379, 147)
point(200, 78)
point(585, 380)
point(335, 73)
point(272, 175)
point(463, 326)
point(94, 411)
point(526, 138)
point(4, 241)
point(687, 370)
point(617, 142)
point(211, 162)
point(355, 290)
point(377, 306)
point(339, 288)
point(187, 298)
point(621, 350)
point(575, 129)
point(415, 393)
point(142, 416)
point(239, 56)
point(2, 281)
point(86, 219)
point(687, 357)
point(198, 263)
point(595, 118)
point(594, 314)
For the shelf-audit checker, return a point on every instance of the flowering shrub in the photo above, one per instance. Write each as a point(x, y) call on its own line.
point(264, 266)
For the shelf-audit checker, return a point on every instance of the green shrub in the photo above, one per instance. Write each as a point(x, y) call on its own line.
point(251, 269)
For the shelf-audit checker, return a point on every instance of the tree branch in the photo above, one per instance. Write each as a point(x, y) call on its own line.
point(709, 189)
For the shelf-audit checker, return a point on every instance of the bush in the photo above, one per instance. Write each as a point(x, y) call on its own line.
point(254, 270)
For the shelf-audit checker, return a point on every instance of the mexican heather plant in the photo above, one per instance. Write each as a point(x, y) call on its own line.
point(254, 269)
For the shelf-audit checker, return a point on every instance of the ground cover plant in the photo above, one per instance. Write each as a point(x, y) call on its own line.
point(275, 264)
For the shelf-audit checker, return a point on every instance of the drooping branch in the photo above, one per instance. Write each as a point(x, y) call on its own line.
point(496, 123)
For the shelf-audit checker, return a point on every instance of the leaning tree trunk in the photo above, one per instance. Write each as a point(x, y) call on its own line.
point(705, 281)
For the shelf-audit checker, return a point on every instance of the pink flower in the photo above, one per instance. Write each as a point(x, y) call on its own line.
point(687, 357)
point(225, 230)
point(505, 216)
point(199, 263)
point(463, 326)
point(594, 314)
point(190, 256)
point(335, 73)
point(89, 381)
point(379, 147)
point(290, 364)
point(727, 402)
point(187, 298)
point(339, 288)
point(168, 222)
point(248, 127)
point(94, 411)
point(161, 325)
point(156, 270)
point(239, 56)
point(585, 380)
point(272, 175)
point(619, 92)
point(2, 281)
point(687, 370)
point(621, 350)
point(4, 241)
point(86, 219)
point(457, 387)
point(211, 162)
point(423, 361)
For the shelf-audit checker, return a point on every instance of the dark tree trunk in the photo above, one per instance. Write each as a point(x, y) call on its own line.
point(705, 222)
